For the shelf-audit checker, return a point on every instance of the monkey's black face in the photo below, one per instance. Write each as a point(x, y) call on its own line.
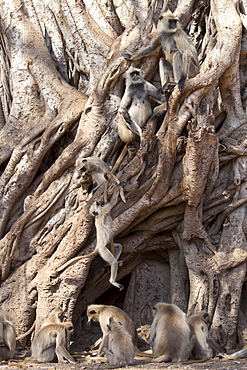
point(172, 23)
point(135, 75)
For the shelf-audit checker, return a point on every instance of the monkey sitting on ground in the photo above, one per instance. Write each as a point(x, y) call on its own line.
point(199, 324)
point(7, 336)
point(102, 313)
point(181, 60)
point(51, 339)
point(100, 173)
point(121, 350)
point(54, 317)
point(135, 108)
point(170, 334)
point(103, 224)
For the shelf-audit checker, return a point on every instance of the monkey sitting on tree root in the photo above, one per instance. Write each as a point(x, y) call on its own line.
point(181, 60)
point(51, 340)
point(135, 108)
point(103, 224)
point(121, 350)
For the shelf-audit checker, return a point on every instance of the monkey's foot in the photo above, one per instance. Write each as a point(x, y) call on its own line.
point(119, 286)
point(127, 56)
point(120, 263)
point(160, 109)
point(168, 87)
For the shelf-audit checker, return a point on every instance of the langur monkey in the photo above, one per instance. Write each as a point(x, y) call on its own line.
point(121, 350)
point(7, 336)
point(181, 60)
point(170, 334)
point(51, 339)
point(100, 173)
point(102, 314)
point(199, 327)
point(204, 347)
point(103, 224)
point(135, 108)
point(53, 318)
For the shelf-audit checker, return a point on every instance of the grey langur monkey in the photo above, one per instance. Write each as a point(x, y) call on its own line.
point(102, 313)
point(170, 334)
point(135, 107)
point(54, 317)
point(100, 173)
point(7, 336)
point(181, 60)
point(199, 326)
point(51, 339)
point(205, 347)
point(121, 350)
point(103, 224)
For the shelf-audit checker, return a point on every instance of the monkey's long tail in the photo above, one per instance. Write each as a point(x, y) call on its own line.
point(121, 191)
point(66, 264)
point(120, 158)
point(143, 354)
point(163, 358)
point(22, 336)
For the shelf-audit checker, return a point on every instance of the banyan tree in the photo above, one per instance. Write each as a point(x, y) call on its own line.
point(183, 227)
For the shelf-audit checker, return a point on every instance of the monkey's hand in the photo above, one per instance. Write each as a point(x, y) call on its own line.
point(181, 83)
point(168, 87)
point(127, 56)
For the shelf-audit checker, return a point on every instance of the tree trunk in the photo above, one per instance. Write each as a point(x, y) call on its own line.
point(62, 79)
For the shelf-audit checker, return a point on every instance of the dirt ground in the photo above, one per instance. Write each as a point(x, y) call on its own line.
point(91, 363)
point(85, 360)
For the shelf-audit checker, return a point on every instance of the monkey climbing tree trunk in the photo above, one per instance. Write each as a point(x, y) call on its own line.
point(62, 80)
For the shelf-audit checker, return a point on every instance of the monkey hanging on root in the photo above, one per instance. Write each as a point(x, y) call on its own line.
point(181, 60)
point(103, 224)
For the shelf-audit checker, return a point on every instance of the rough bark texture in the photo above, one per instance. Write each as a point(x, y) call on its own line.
point(183, 227)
